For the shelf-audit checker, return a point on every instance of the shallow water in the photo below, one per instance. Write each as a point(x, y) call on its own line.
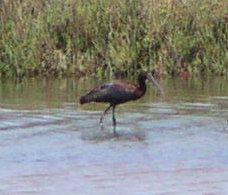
point(49, 144)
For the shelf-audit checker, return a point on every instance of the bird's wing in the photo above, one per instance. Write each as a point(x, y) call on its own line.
point(125, 86)
point(117, 86)
point(113, 92)
point(98, 93)
point(119, 91)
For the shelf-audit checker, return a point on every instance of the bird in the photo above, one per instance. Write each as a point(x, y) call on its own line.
point(119, 92)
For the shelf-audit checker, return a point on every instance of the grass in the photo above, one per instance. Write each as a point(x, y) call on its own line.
point(104, 37)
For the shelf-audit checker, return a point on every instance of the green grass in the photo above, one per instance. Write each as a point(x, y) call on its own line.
point(103, 37)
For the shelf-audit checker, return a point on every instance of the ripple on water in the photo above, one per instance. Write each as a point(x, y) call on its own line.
point(121, 135)
point(167, 148)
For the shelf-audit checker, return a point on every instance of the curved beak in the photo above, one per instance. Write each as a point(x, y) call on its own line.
point(155, 83)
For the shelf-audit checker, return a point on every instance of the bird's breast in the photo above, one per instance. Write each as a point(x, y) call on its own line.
point(138, 93)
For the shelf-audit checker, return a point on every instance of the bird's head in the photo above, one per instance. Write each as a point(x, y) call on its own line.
point(149, 75)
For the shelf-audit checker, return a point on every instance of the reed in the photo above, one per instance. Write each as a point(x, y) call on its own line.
point(103, 37)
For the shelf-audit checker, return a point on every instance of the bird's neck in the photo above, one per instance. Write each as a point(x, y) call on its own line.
point(142, 86)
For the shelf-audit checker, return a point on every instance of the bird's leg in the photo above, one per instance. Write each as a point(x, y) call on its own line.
point(102, 116)
point(114, 119)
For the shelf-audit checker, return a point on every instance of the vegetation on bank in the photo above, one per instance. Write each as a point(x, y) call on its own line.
point(108, 36)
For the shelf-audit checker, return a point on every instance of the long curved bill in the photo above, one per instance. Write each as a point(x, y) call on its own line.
point(155, 83)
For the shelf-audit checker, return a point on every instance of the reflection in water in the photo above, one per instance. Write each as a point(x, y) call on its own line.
point(51, 145)
point(102, 135)
point(54, 92)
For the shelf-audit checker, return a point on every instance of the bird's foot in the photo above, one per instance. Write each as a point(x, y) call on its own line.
point(101, 125)
point(114, 132)
point(115, 135)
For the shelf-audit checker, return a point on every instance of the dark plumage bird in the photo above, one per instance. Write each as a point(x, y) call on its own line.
point(119, 92)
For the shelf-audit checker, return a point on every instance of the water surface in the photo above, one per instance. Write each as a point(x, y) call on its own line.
point(49, 144)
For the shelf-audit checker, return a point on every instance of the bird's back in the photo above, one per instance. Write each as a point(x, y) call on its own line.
point(114, 93)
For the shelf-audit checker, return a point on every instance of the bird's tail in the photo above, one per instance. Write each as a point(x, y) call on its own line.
point(84, 99)
point(93, 96)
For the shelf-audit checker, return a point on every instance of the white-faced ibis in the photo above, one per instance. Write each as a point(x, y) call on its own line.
point(119, 92)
